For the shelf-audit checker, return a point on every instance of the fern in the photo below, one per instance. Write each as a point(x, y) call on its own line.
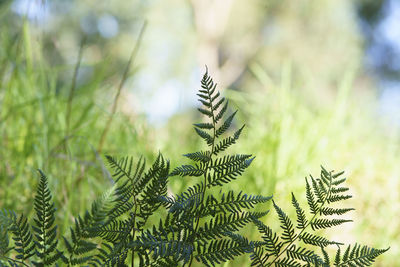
point(23, 238)
point(137, 222)
point(45, 230)
point(289, 247)
point(6, 220)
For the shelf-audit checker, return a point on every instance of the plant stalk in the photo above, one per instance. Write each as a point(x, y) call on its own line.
point(121, 84)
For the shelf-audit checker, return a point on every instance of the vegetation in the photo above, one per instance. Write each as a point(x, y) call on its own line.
point(57, 94)
point(197, 224)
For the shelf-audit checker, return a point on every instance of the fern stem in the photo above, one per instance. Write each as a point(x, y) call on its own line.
point(309, 222)
point(134, 232)
point(207, 168)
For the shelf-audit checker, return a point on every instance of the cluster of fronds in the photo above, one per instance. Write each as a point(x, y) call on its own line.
point(37, 242)
point(197, 224)
point(292, 246)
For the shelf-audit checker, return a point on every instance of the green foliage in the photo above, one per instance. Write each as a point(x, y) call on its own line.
point(139, 220)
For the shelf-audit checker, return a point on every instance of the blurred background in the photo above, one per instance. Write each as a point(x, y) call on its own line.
point(316, 83)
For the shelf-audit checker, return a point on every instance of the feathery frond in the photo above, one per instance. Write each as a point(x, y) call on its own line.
point(45, 230)
point(140, 222)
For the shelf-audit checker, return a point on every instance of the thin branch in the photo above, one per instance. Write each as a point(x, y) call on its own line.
point(72, 89)
point(121, 84)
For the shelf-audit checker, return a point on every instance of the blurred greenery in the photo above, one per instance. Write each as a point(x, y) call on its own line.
point(293, 69)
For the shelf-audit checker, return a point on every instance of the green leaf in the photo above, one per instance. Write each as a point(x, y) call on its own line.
point(310, 199)
point(286, 224)
point(206, 112)
point(218, 104)
point(200, 156)
point(217, 226)
point(334, 211)
point(227, 174)
point(303, 254)
point(227, 142)
point(359, 255)
point(23, 238)
point(205, 126)
point(327, 223)
point(219, 251)
point(231, 203)
point(315, 240)
point(221, 164)
point(301, 215)
point(272, 244)
point(187, 170)
point(208, 138)
point(45, 230)
point(225, 126)
point(221, 113)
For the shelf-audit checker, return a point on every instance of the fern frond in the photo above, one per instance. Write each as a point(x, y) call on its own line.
point(201, 156)
point(160, 245)
point(117, 257)
point(218, 251)
point(327, 223)
point(311, 199)
point(99, 209)
point(288, 234)
point(315, 240)
point(23, 239)
point(4, 241)
point(225, 126)
point(7, 218)
point(222, 223)
point(122, 200)
point(272, 244)
point(78, 246)
point(242, 241)
point(139, 188)
point(303, 254)
point(124, 168)
point(334, 211)
point(162, 262)
point(227, 142)
point(102, 255)
point(113, 231)
point(337, 190)
point(45, 230)
point(192, 197)
point(156, 188)
point(204, 126)
point(327, 261)
point(301, 215)
point(219, 103)
point(6, 222)
point(228, 174)
point(319, 190)
point(287, 262)
point(220, 164)
point(80, 260)
point(258, 258)
point(187, 170)
point(231, 203)
point(205, 112)
point(155, 169)
point(336, 198)
point(358, 256)
point(207, 137)
point(221, 113)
